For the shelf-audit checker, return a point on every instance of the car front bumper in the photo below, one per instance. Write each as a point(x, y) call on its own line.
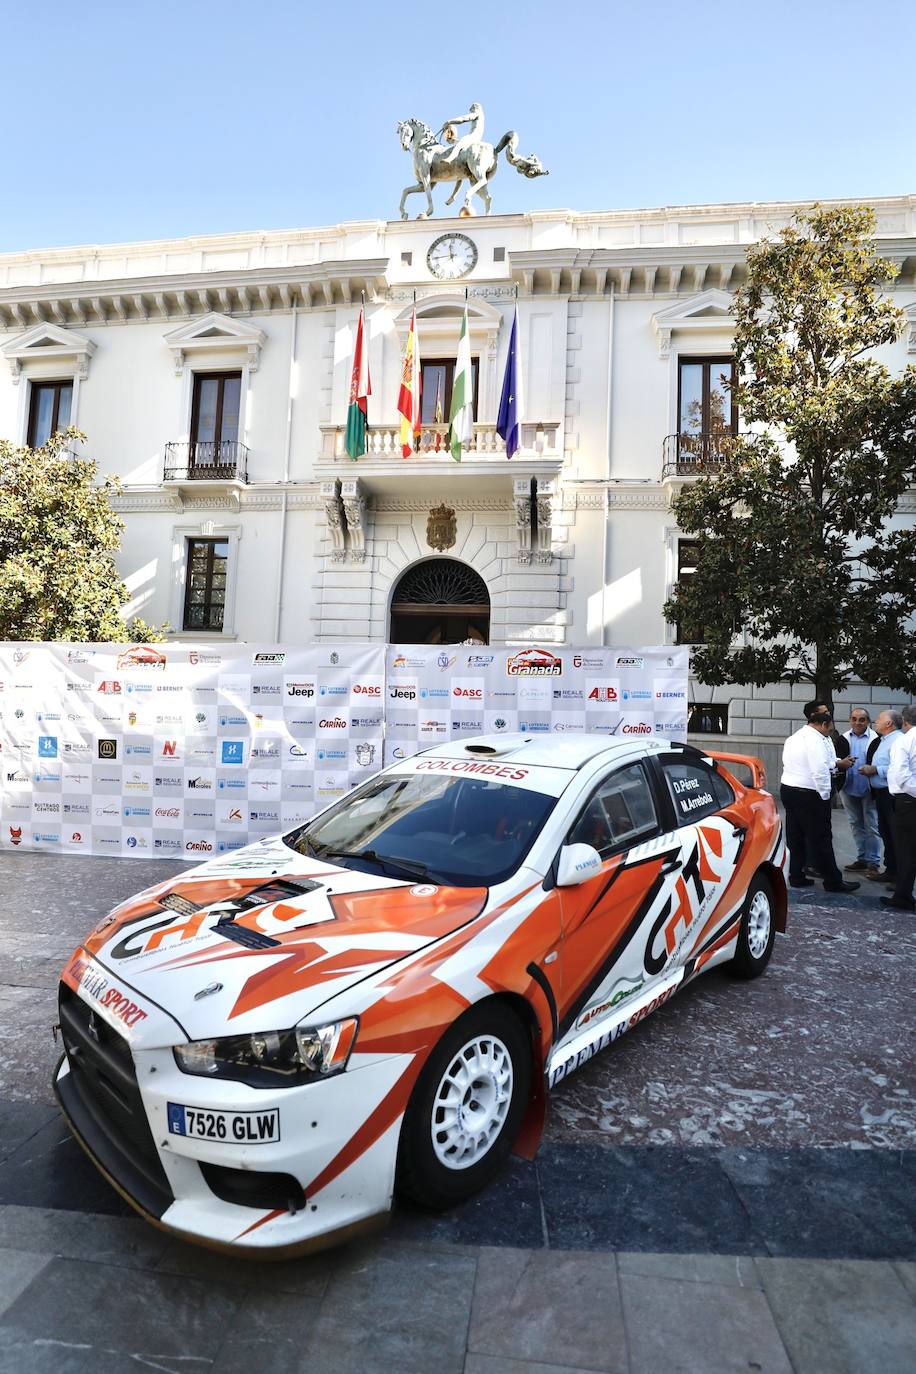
point(330, 1171)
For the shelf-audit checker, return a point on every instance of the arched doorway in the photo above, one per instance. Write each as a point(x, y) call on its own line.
point(440, 601)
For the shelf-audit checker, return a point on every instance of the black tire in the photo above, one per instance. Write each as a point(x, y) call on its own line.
point(753, 952)
point(421, 1173)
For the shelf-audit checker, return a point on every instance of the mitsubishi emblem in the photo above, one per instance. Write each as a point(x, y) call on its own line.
point(208, 991)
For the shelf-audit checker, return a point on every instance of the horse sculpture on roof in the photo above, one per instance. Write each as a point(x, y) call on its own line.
point(469, 160)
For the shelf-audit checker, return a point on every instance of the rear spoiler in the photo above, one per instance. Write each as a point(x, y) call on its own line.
point(754, 766)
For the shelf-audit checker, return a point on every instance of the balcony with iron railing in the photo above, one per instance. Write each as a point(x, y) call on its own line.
point(693, 455)
point(206, 461)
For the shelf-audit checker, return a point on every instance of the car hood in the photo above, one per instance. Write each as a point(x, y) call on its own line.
point(253, 941)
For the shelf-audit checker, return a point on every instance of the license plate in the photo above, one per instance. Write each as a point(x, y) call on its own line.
point(237, 1128)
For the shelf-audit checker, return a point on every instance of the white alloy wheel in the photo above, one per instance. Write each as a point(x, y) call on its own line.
point(472, 1102)
point(759, 920)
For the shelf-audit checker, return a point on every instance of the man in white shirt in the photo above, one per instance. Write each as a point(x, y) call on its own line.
point(808, 761)
point(901, 782)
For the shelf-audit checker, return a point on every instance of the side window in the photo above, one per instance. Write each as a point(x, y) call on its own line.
point(621, 810)
point(696, 790)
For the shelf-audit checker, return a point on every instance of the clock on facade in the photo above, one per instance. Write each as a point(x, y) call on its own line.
point(451, 256)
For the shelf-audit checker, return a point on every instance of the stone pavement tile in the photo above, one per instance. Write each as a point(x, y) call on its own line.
point(685, 1327)
point(498, 1364)
point(19, 1121)
point(841, 1316)
point(828, 1203)
point(307, 1276)
point(151, 1318)
point(508, 1212)
point(271, 1332)
point(17, 1270)
point(550, 1306)
point(642, 1198)
point(907, 1276)
point(51, 1170)
point(393, 1312)
point(736, 1271)
point(81, 1235)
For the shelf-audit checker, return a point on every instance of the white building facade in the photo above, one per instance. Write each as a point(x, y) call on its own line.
point(211, 376)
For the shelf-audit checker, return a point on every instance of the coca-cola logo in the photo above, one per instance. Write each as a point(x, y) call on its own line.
point(171, 811)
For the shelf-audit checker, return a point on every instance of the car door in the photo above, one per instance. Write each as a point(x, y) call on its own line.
point(704, 902)
point(627, 819)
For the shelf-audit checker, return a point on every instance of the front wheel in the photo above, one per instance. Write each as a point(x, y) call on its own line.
point(758, 930)
point(466, 1108)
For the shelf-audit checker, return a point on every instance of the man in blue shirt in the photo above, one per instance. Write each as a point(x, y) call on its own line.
point(888, 726)
point(857, 797)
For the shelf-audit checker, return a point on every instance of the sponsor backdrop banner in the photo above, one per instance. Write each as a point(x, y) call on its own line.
point(180, 751)
point(433, 694)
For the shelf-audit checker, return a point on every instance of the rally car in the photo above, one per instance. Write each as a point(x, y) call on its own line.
point(261, 1051)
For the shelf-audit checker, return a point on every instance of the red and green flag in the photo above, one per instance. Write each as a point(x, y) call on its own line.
point(360, 391)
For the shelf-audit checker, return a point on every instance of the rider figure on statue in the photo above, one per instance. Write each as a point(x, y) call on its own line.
point(474, 117)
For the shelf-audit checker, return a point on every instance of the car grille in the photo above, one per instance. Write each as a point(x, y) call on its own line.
point(101, 1098)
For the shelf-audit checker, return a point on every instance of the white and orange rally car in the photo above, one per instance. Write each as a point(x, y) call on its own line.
point(259, 1052)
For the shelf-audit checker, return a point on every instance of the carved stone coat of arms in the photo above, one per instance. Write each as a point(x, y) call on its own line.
point(441, 528)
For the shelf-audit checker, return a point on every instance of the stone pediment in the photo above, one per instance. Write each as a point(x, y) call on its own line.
point(216, 333)
point(713, 309)
point(49, 343)
point(439, 320)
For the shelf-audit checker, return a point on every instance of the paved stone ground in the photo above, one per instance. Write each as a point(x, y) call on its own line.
point(732, 1187)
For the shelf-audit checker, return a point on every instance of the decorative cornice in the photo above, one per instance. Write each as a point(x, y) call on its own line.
point(318, 286)
point(49, 343)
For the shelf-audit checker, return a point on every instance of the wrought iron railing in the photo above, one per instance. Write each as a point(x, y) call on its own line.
point(206, 461)
point(690, 455)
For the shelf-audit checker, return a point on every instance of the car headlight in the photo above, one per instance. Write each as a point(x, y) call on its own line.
point(272, 1059)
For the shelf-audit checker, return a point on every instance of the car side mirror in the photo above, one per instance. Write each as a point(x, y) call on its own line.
point(578, 863)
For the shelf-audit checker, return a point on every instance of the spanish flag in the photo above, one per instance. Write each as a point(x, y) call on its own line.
point(360, 391)
point(409, 394)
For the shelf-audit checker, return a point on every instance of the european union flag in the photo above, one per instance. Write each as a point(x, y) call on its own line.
point(511, 405)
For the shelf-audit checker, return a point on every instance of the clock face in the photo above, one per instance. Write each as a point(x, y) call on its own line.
point(452, 256)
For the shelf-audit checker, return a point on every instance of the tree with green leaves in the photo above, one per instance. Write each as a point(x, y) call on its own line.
point(803, 576)
point(58, 535)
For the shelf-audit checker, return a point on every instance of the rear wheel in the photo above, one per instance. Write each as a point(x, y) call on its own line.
point(758, 930)
point(466, 1108)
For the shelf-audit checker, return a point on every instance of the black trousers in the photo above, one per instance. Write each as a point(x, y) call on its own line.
point(885, 804)
point(809, 834)
point(905, 844)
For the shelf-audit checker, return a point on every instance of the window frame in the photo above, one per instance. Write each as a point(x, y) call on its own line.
point(706, 361)
point(650, 833)
point(449, 364)
point(211, 541)
point(221, 377)
point(36, 384)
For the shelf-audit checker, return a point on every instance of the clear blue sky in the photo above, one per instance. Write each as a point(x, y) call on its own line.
point(138, 121)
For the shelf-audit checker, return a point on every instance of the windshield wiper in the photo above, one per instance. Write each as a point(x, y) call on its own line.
point(412, 866)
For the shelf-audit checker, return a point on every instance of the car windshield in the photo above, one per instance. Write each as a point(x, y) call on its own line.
point(466, 832)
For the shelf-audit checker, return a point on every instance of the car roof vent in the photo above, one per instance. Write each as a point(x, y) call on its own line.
point(486, 749)
point(481, 749)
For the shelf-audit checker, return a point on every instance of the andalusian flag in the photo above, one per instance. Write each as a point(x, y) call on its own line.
point(461, 414)
point(409, 394)
point(360, 391)
point(438, 413)
point(511, 405)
